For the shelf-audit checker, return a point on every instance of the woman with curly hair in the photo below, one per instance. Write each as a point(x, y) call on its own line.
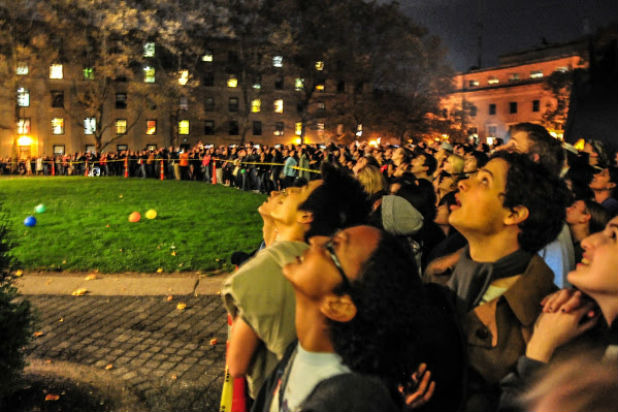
point(364, 323)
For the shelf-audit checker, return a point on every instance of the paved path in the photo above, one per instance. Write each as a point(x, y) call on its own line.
point(145, 344)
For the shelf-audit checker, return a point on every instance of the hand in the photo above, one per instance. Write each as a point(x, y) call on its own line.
point(422, 385)
point(554, 329)
point(565, 300)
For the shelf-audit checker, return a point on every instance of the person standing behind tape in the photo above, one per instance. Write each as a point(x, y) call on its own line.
point(289, 173)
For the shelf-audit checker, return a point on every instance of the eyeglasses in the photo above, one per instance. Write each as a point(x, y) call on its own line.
point(330, 248)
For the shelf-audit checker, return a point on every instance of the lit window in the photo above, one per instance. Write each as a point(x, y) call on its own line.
point(122, 147)
point(562, 69)
point(183, 103)
point(321, 107)
point(319, 65)
point(257, 85)
point(55, 71)
point(232, 81)
point(23, 97)
point(359, 130)
point(473, 83)
point(278, 106)
point(256, 105)
point(57, 124)
point(90, 125)
point(183, 127)
point(90, 148)
point(278, 129)
point(88, 73)
point(23, 126)
point(320, 87)
point(299, 84)
point(320, 127)
point(151, 127)
point(151, 147)
point(537, 74)
point(278, 61)
point(208, 56)
point(121, 126)
point(183, 77)
point(298, 128)
point(58, 149)
point(22, 69)
point(149, 50)
point(493, 80)
point(514, 77)
point(149, 74)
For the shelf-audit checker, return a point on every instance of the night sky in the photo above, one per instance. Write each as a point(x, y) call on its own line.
point(508, 25)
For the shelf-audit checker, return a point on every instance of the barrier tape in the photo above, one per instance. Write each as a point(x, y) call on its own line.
point(71, 163)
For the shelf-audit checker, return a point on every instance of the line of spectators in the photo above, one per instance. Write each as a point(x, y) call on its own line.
point(427, 277)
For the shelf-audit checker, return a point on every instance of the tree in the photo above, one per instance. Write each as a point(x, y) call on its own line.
point(559, 84)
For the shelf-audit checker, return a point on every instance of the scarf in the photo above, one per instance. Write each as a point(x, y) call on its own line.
point(471, 279)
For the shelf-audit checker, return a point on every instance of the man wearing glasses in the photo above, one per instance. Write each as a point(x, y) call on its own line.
point(363, 323)
point(257, 295)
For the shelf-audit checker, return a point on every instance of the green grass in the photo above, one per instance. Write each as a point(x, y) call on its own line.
point(86, 227)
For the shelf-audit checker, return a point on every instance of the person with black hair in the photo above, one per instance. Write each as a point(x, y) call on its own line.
point(474, 161)
point(604, 184)
point(423, 166)
point(507, 211)
point(585, 217)
point(535, 140)
point(364, 324)
point(258, 298)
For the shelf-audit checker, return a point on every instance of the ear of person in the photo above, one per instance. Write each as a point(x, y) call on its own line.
point(517, 215)
point(338, 308)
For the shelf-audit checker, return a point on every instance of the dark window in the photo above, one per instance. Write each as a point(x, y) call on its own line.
point(321, 109)
point(536, 105)
point(233, 127)
point(232, 57)
point(121, 100)
point(512, 107)
point(340, 86)
point(209, 104)
point(208, 79)
point(445, 113)
point(279, 128)
point(358, 87)
point(492, 108)
point(472, 110)
point(209, 127)
point(299, 107)
point(279, 83)
point(257, 128)
point(57, 98)
point(233, 104)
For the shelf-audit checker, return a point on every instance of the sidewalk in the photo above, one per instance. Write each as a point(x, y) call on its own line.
point(49, 283)
point(129, 332)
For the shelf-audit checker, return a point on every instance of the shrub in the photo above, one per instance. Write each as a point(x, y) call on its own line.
point(16, 322)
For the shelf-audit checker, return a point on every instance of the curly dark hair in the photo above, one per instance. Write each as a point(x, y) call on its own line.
point(545, 196)
point(389, 296)
point(550, 151)
point(339, 202)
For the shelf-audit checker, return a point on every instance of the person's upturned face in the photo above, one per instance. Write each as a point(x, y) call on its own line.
point(519, 142)
point(418, 165)
point(576, 213)
point(285, 209)
point(480, 199)
point(598, 271)
point(470, 164)
point(601, 181)
point(315, 275)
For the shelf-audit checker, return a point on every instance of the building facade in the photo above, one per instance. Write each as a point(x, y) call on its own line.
point(49, 119)
point(490, 100)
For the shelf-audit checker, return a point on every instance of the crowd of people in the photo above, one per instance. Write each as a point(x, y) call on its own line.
point(430, 277)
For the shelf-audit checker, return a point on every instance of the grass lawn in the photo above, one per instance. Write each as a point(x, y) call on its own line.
point(86, 227)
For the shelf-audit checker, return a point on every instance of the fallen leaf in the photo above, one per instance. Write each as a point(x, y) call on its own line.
point(181, 306)
point(19, 273)
point(106, 225)
point(61, 320)
point(64, 262)
point(79, 292)
point(120, 196)
point(38, 333)
point(213, 341)
point(219, 292)
point(159, 270)
point(48, 361)
point(169, 298)
point(108, 366)
point(91, 276)
point(173, 253)
point(174, 377)
point(52, 397)
point(180, 265)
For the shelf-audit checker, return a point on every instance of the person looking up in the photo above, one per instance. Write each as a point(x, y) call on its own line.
point(603, 185)
point(423, 166)
point(584, 217)
point(507, 211)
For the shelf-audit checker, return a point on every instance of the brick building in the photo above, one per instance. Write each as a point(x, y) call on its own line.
point(496, 98)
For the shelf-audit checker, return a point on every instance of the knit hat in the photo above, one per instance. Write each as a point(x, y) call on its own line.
point(399, 217)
